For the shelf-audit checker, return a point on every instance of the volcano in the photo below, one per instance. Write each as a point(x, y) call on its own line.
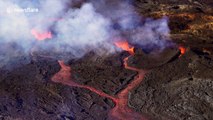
point(134, 81)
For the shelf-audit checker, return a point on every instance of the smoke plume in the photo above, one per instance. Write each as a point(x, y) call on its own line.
point(60, 27)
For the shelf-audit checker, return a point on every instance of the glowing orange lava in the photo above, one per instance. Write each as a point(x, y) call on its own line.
point(124, 45)
point(121, 111)
point(64, 77)
point(41, 36)
point(182, 51)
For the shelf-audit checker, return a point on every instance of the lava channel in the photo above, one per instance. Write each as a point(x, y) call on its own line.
point(121, 111)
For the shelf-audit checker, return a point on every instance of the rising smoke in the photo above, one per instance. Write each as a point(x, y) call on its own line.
point(94, 26)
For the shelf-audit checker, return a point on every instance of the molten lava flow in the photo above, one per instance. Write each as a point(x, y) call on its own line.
point(182, 51)
point(41, 36)
point(124, 45)
point(64, 77)
point(121, 111)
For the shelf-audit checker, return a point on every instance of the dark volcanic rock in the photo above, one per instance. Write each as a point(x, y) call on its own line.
point(107, 74)
point(181, 89)
point(28, 93)
point(152, 60)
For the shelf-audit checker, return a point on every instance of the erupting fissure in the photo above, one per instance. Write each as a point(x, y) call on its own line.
point(121, 111)
point(124, 45)
point(41, 36)
point(182, 50)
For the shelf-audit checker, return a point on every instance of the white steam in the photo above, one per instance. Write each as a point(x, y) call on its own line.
point(152, 33)
point(49, 12)
point(84, 29)
point(77, 30)
point(13, 26)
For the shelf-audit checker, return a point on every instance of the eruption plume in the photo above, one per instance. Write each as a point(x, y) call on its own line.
point(90, 27)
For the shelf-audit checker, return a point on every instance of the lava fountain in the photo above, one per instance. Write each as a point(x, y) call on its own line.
point(182, 50)
point(124, 45)
point(41, 36)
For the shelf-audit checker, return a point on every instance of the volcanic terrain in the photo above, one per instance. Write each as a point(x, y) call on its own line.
point(174, 84)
